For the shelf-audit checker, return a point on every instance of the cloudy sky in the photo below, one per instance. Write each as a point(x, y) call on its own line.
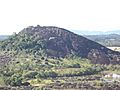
point(98, 15)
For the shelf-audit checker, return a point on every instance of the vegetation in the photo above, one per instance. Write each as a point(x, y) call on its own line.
point(23, 44)
point(33, 68)
point(47, 72)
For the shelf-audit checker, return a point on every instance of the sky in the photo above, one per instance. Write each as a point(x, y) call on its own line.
point(91, 15)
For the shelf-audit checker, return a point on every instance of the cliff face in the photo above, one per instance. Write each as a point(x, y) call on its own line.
point(58, 42)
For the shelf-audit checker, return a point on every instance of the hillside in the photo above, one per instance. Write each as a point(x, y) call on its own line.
point(57, 42)
point(109, 40)
point(48, 58)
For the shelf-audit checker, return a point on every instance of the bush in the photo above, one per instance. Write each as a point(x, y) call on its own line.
point(45, 74)
point(30, 74)
point(15, 80)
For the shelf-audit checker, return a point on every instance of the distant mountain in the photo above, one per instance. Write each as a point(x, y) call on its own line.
point(108, 40)
point(86, 32)
point(57, 42)
point(114, 32)
point(3, 37)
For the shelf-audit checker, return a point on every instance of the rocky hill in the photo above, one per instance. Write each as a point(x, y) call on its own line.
point(58, 42)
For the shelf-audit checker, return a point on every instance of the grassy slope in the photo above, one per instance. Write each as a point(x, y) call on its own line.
point(55, 73)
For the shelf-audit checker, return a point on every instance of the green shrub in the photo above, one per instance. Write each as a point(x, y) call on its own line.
point(45, 74)
point(15, 80)
point(30, 74)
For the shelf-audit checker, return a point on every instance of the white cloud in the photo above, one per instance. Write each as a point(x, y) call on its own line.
point(71, 14)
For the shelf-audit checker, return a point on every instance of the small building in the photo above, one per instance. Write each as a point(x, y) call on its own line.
point(112, 75)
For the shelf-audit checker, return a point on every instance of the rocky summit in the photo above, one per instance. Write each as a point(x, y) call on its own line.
point(58, 42)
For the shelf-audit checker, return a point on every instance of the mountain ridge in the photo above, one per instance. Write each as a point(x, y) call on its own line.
point(111, 40)
point(3, 37)
point(88, 32)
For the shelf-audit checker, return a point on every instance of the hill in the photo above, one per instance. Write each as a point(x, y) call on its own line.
point(57, 42)
point(110, 40)
point(48, 58)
